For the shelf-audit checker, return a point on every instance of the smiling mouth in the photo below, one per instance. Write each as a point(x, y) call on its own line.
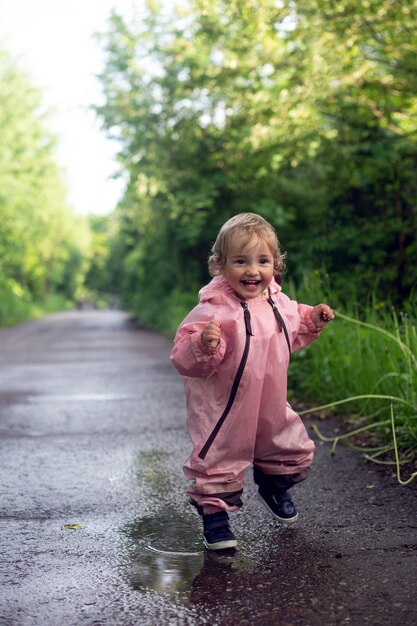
point(251, 283)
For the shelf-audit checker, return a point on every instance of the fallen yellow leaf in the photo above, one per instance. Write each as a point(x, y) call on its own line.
point(73, 526)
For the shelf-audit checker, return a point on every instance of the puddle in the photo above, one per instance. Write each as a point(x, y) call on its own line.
point(166, 573)
point(165, 553)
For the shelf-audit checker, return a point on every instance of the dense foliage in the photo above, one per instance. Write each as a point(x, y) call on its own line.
point(43, 247)
point(302, 111)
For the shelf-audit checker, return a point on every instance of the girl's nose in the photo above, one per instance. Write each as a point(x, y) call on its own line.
point(252, 270)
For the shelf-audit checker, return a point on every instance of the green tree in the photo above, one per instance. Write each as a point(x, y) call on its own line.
point(39, 236)
point(301, 111)
point(361, 77)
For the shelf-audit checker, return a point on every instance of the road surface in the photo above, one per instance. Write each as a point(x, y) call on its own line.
point(95, 526)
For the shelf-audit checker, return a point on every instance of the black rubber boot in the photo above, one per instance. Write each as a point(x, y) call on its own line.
point(217, 533)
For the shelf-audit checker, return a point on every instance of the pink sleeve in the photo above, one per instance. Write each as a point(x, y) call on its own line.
point(307, 332)
point(300, 326)
point(191, 357)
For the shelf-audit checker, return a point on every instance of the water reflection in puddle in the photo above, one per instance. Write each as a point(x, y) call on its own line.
point(165, 553)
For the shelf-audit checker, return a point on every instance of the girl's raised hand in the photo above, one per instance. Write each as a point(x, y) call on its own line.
point(321, 315)
point(211, 334)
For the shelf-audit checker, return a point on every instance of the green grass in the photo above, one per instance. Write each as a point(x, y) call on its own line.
point(366, 369)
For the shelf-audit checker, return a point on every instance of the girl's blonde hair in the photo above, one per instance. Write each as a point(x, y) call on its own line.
point(245, 225)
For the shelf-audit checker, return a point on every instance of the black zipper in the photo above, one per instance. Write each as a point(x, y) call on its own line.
point(280, 321)
point(235, 384)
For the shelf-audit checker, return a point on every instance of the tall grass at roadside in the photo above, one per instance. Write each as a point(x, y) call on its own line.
point(366, 369)
point(17, 304)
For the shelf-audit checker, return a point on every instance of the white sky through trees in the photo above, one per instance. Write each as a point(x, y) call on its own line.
point(53, 41)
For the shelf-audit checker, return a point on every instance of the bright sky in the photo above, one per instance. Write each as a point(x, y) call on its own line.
point(52, 40)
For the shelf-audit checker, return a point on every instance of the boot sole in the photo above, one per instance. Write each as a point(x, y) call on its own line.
point(284, 520)
point(221, 545)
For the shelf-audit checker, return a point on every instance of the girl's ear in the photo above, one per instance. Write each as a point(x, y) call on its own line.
point(220, 265)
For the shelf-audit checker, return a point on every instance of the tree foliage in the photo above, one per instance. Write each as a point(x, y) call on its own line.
point(301, 111)
point(43, 247)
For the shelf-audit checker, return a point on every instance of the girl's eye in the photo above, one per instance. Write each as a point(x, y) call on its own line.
point(265, 261)
point(239, 261)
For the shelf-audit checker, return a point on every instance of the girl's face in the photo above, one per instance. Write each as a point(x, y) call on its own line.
point(248, 268)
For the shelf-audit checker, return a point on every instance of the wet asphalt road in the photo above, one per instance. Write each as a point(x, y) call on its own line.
point(92, 427)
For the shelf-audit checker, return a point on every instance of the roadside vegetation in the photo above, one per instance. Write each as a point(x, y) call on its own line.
point(50, 258)
point(364, 368)
point(43, 246)
point(375, 379)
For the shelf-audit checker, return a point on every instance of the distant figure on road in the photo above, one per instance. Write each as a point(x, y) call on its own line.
point(233, 350)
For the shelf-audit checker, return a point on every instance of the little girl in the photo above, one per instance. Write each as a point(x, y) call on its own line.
point(233, 350)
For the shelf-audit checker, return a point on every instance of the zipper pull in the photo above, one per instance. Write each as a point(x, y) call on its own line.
point(246, 314)
point(271, 302)
point(276, 313)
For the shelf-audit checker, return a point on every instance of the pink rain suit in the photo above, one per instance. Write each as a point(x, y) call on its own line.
point(239, 417)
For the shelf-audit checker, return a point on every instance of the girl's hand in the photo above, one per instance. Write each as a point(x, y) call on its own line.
point(211, 334)
point(321, 315)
